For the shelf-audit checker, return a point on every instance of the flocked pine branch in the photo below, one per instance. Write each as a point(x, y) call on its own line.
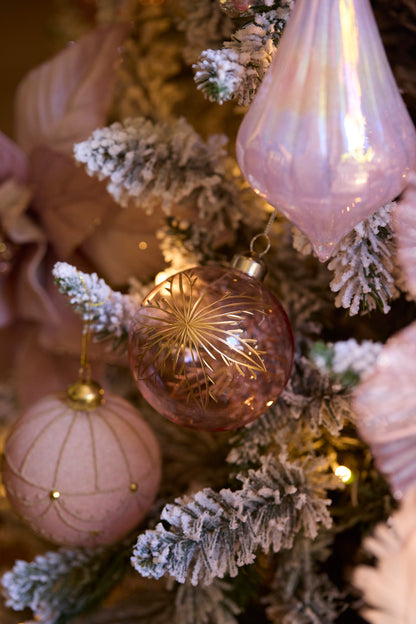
point(300, 593)
point(318, 601)
point(326, 407)
point(252, 441)
point(109, 312)
point(211, 535)
point(346, 360)
point(175, 243)
point(155, 165)
point(58, 585)
point(318, 396)
point(205, 604)
point(151, 162)
point(236, 70)
point(363, 264)
point(148, 79)
point(205, 26)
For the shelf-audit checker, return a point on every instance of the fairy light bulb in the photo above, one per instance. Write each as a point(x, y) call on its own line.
point(344, 474)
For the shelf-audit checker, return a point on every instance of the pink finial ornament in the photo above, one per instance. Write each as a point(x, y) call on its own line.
point(328, 139)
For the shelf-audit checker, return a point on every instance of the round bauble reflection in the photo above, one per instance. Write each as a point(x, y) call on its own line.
point(211, 348)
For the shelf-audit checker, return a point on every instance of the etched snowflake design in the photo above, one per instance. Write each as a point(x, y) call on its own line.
point(193, 339)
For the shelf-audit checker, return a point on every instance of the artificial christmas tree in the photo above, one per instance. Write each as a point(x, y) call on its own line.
point(120, 177)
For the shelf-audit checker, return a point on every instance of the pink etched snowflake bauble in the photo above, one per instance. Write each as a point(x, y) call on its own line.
point(81, 471)
point(385, 403)
point(211, 348)
point(327, 139)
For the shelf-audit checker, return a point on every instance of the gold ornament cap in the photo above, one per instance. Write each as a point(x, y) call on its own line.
point(253, 266)
point(84, 395)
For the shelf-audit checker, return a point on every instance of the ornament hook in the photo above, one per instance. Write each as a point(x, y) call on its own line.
point(263, 235)
point(85, 394)
point(85, 366)
point(253, 265)
point(253, 242)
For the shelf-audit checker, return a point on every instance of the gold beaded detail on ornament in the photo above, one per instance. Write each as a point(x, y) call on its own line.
point(7, 254)
point(54, 495)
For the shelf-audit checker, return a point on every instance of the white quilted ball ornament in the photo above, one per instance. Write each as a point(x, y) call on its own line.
point(80, 469)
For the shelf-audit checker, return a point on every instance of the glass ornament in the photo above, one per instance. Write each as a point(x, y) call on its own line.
point(328, 139)
point(211, 348)
point(82, 468)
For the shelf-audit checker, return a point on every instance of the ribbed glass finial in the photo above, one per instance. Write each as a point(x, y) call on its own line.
point(327, 139)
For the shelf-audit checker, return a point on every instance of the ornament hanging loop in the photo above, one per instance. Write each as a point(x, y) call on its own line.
point(255, 241)
point(264, 237)
point(254, 265)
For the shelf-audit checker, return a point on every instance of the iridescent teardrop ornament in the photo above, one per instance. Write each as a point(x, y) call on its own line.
point(328, 139)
